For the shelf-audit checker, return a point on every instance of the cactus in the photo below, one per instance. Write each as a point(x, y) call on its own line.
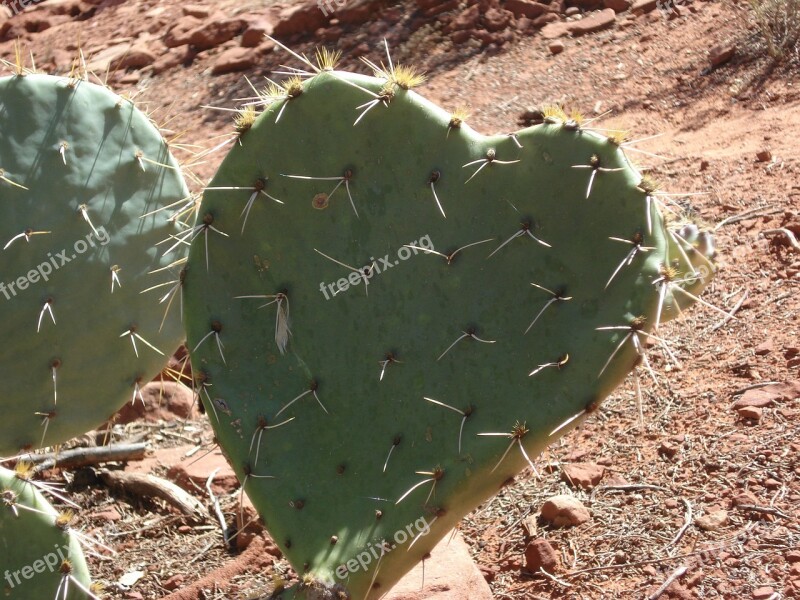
point(403, 312)
point(82, 176)
point(40, 556)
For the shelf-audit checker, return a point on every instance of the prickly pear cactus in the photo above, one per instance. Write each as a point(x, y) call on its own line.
point(402, 312)
point(40, 557)
point(82, 176)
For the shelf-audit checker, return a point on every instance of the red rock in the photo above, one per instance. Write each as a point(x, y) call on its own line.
point(572, 11)
point(720, 54)
point(467, 19)
point(159, 401)
point(180, 32)
point(752, 413)
point(440, 7)
point(793, 556)
point(617, 6)
point(616, 479)
point(744, 499)
point(173, 583)
point(356, 12)
point(763, 593)
point(524, 24)
point(643, 6)
point(546, 18)
point(539, 554)
point(102, 61)
point(496, 19)
point(136, 57)
point(668, 449)
point(592, 22)
point(759, 397)
point(554, 30)
point(582, 475)
point(196, 10)
point(301, 18)
point(195, 472)
point(109, 515)
point(764, 156)
point(165, 62)
point(564, 511)
point(215, 32)
point(525, 8)
point(233, 60)
point(596, 21)
point(556, 47)
point(767, 346)
point(253, 36)
point(459, 37)
point(449, 574)
point(26, 22)
point(712, 521)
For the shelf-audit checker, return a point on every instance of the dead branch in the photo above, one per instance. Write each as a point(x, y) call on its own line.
point(150, 486)
point(85, 457)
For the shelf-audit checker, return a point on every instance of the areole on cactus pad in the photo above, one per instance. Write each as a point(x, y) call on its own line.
point(83, 174)
point(401, 312)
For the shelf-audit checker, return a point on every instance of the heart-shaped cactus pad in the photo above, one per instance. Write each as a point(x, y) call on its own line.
point(390, 314)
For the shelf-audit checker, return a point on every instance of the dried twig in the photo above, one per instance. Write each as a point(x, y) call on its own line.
point(553, 578)
point(686, 523)
point(679, 572)
point(632, 487)
point(767, 510)
point(787, 233)
point(217, 510)
point(84, 457)
point(749, 214)
point(150, 486)
point(732, 312)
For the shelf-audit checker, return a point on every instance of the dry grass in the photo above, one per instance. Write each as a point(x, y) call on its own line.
point(778, 23)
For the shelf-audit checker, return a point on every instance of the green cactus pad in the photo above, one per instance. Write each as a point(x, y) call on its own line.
point(39, 554)
point(79, 169)
point(371, 392)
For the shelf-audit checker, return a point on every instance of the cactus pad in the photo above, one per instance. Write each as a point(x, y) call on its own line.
point(40, 557)
point(404, 311)
point(80, 167)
